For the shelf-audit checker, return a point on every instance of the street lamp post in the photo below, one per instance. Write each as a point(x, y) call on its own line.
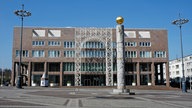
point(190, 80)
point(179, 22)
point(1, 77)
point(21, 13)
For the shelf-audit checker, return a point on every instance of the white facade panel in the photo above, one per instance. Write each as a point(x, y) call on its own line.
point(38, 33)
point(54, 33)
point(129, 34)
point(144, 34)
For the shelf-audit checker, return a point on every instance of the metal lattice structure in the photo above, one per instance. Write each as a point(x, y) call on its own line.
point(100, 34)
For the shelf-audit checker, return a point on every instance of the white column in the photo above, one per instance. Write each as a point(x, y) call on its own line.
point(120, 57)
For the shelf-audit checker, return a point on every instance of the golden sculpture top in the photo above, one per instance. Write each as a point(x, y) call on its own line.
point(119, 20)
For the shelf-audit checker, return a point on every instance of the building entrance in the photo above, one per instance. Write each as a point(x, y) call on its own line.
point(83, 35)
point(93, 80)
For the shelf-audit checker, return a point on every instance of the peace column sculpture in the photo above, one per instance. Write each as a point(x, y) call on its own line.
point(120, 55)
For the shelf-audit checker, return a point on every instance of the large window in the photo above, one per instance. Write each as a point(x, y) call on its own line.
point(160, 54)
point(130, 67)
point(93, 67)
point(25, 53)
point(38, 53)
point(69, 54)
point(69, 44)
point(69, 66)
point(53, 53)
point(54, 67)
point(38, 43)
point(145, 54)
point(130, 54)
point(145, 44)
point(145, 67)
point(54, 43)
point(38, 67)
point(93, 53)
point(177, 66)
point(177, 72)
point(93, 45)
point(130, 44)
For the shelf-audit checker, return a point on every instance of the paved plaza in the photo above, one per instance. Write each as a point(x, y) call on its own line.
point(40, 97)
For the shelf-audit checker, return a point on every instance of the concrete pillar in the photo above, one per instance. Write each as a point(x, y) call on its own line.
point(46, 71)
point(24, 73)
point(44, 78)
point(138, 74)
point(16, 72)
point(61, 74)
point(45, 68)
point(167, 74)
point(120, 57)
point(29, 74)
point(152, 74)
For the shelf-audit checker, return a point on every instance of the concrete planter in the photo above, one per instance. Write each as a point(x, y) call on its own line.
point(115, 84)
point(68, 84)
point(53, 84)
point(33, 84)
point(133, 84)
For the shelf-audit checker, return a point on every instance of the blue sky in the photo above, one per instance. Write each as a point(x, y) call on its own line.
point(97, 13)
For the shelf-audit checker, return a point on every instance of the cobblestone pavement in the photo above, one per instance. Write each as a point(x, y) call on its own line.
point(40, 97)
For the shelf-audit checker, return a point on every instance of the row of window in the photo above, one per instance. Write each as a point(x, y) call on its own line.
point(189, 71)
point(71, 44)
point(134, 44)
point(93, 45)
point(145, 44)
point(130, 54)
point(92, 67)
point(90, 53)
point(38, 43)
point(42, 43)
point(89, 66)
point(38, 53)
point(187, 64)
point(93, 53)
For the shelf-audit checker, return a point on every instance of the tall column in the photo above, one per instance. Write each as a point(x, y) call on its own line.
point(44, 78)
point(167, 74)
point(16, 71)
point(46, 68)
point(152, 74)
point(29, 74)
point(138, 74)
point(120, 57)
point(61, 74)
point(24, 73)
